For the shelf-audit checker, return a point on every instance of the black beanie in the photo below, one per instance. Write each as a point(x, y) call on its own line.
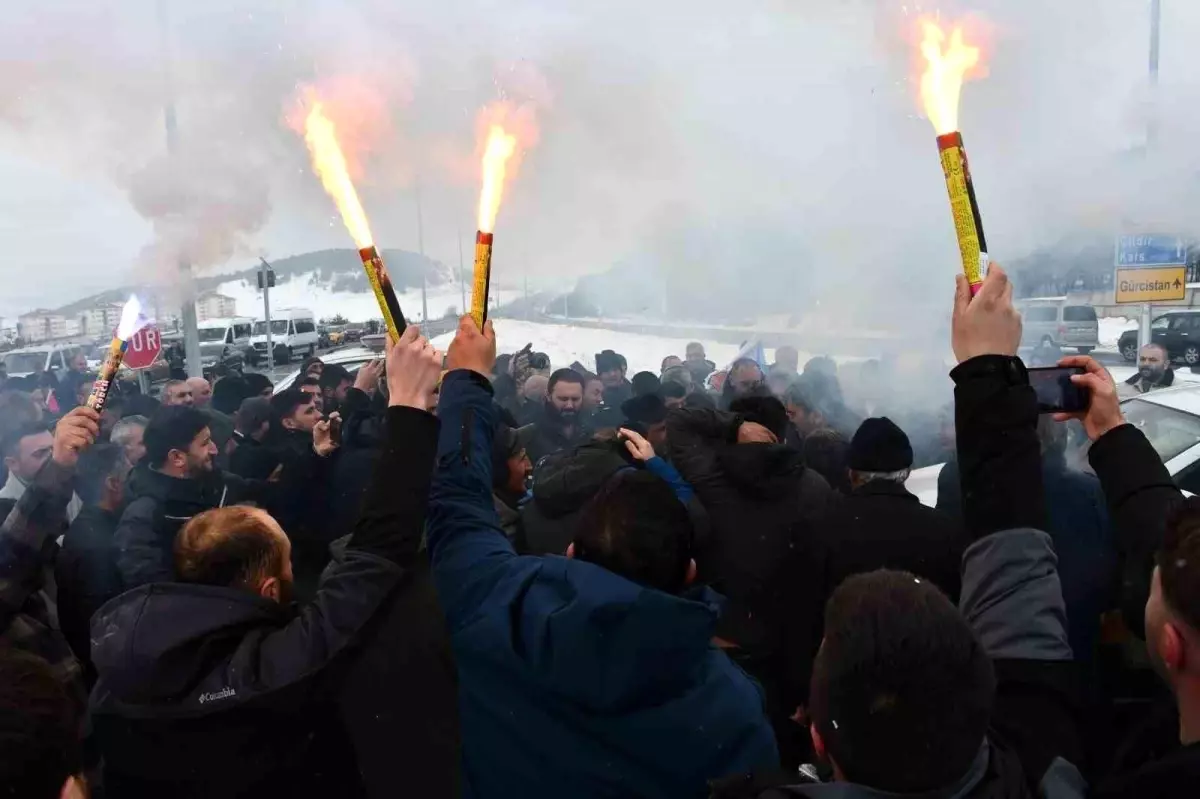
point(880, 446)
point(647, 409)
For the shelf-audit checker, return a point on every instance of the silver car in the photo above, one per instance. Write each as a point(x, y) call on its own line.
point(1069, 325)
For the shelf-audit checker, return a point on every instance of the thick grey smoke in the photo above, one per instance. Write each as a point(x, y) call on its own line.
point(769, 154)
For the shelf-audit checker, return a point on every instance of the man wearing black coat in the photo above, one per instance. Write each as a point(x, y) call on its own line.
point(85, 570)
point(176, 481)
point(763, 505)
point(880, 525)
point(213, 686)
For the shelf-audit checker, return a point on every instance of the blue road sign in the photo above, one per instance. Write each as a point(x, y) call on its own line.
point(1134, 252)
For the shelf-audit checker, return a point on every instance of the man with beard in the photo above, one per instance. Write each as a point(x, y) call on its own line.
point(230, 692)
point(560, 427)
point(174, 482)
point(1154, 372)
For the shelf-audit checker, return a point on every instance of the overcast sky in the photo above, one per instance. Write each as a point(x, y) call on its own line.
point(656, 118)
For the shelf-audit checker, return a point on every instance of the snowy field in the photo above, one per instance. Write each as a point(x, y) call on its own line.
point(566, 344)
point(305, 292)
point(1111, 330)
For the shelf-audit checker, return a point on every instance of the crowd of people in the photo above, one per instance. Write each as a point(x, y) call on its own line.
point(457, 574)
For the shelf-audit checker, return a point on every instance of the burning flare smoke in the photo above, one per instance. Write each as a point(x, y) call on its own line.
point(941, 85)
point(946, 69)
point(131, 322)
point(320, 135)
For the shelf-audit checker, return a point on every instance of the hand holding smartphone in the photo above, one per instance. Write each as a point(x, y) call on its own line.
point(1056, 392)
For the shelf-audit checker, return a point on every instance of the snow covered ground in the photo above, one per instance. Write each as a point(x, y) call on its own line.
point(1111, 330)
point(566, 344)
point(304, 292)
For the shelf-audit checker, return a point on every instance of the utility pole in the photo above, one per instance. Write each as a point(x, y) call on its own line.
point(191, 330)
point(462, 280)
point(421, 249)
point(1144, 336)
point(266, 279)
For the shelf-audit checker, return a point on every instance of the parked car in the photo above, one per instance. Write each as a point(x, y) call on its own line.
point(1177, 331)
point(350, 357)
point(1066, 324)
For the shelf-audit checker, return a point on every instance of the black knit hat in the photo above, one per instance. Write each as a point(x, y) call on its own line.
point(647, 409)
point(608, 361)
point(880, 446)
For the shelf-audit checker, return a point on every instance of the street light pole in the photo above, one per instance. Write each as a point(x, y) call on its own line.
point(1144, 335)
point(187, 285)
point(421, 250)
point(265, 282)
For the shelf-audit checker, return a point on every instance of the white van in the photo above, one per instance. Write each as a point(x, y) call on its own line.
point(1069, 325)
point(222, 340)
point(293, 332)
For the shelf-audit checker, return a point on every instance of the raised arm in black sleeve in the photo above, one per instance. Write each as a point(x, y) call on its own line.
point(399, 488)
point(999, 457)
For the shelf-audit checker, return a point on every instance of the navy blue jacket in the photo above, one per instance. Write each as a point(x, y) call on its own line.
point(574, 681)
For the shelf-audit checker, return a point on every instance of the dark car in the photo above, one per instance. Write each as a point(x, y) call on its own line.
point(1177, 331)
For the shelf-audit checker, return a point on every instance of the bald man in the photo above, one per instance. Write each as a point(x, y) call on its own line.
point(201, 391)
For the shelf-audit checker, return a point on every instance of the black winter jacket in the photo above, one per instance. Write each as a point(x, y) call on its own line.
point(762, 505)
point(86, 575)
point(157, 505)
point(207, 691)
point(880, 525)
point(1012, 599)
point(562, 484)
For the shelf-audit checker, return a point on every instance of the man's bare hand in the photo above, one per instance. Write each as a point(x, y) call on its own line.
point(473, 348)
point(413, 368)
point(755, 433)
point(1104, 406)
point(367, 379)
point(987, 324)
point(636, 443)
point(323, 443)
point(74, 433)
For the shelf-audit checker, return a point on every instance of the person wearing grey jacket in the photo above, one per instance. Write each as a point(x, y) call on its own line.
point(911, 696)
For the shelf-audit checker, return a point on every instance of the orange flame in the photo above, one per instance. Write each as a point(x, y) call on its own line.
point(500, 147)
point(320, 134)
point(947, 66)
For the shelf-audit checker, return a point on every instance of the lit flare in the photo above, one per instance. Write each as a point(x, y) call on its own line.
point(948, 62)
point(320, 134)
point(131, 322)
point(500, 147)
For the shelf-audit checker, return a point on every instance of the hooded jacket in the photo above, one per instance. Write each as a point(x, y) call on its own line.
point(562, 484)
point(573, 680)
point(206, 691)
point(763, 505)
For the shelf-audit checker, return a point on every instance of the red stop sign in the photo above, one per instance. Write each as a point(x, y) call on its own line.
point(144, 347)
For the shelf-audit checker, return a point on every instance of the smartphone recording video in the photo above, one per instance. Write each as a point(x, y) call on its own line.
point(1055, 391)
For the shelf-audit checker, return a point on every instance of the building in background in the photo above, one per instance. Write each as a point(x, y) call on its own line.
point(211, 305)
point(100, 320)
point(43, 324)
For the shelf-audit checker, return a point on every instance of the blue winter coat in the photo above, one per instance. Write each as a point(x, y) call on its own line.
point(574, 681)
